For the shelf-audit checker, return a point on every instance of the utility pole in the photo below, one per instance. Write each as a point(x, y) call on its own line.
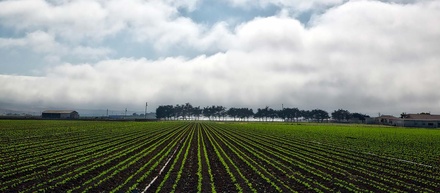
point(146, 105)
point(125, 112)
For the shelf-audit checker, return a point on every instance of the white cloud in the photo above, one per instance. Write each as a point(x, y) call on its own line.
point(44, 43)
point(158, 23)
point(365, 56)
point(306, 5)
point(73, 20)
point(297, 5)
point(38, 41)
point(82, 19)
point(89, 52)
point(273, 33)
point(11, 42)
point(190, 5)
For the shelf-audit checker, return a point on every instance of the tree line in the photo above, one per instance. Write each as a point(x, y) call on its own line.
point(189, 112)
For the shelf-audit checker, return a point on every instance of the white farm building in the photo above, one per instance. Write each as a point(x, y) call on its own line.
point(411, 120)
point(60, 114)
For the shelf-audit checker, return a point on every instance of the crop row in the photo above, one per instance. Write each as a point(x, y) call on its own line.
point(331, 166)
point(70, 168)
point(193, 157)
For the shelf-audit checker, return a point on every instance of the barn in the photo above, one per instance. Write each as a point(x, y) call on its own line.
point(425, 120)
point(421, 120)
point(60, 114)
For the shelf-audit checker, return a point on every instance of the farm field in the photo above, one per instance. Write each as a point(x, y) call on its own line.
point(83, 156)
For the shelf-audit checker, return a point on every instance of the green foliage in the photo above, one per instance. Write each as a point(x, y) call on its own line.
point(413, 144)
point(86, 156)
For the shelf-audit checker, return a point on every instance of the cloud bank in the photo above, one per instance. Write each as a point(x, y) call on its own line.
point(364, 56)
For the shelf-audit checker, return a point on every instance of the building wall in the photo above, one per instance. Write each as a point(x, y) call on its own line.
point(422, 123)
point(73, 115)
point(370, 120)
point(51, 115)
point(400, 123)
point(65, 115)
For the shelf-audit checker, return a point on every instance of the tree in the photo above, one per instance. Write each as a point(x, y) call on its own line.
point(241, 113)
point(187, 110)
point(177, 111)
point(214, 111)
point(341, 115)
point(233, 112)
point(403, 115)
point(266, 113)
point(272, 113)
point(220, 111)
point(258, 115)
point(282, 114)
point(306, 114)
point(359, 116)
point(160, 112)
point(290, 114)
point(245, 113)
point(208, 112)
point(197, 111)
point(262, 113)
point(165, 112)
point(319, 115)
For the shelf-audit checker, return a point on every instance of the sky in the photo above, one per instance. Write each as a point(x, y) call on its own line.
point(363, 56)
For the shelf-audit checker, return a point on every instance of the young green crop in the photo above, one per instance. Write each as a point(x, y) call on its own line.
point(414, 144)
point(205, 153)
point(199, 160)
point(239, 157)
